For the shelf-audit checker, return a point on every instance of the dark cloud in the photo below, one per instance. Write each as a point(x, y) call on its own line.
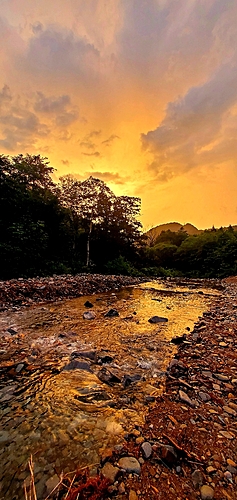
point(110, 177)
point(193, 127)
point(87, 140)
point(19, 126)
point(87, 144)
point(51, 104)
point(109, 141)
point(56, 52)
point(65, 162)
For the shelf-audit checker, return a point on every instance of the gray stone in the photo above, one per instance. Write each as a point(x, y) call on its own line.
point(130, 464)
point(207, 493)
point(204, 396)
point(146, 449)
point(197, 479)
point(52, 483)
point(84, 354)
point(110, 472)
point(89, 315)
point(4, 436)
point(157, 319)
point(19, 367)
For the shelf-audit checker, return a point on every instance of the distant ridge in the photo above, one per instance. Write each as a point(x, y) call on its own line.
point(171, 226)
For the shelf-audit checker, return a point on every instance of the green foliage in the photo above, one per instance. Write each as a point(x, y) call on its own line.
point(120, 266)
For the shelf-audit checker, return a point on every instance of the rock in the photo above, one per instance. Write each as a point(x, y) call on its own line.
point(185, 398)
point(102, 357)
point(4, 436)
point(146, 449)
point(132, 495)
point(110, 472)
point(207, 493)
point(169, 455)
point(231, 462)
point(88, 304)
point(109, 376)
point(204, 396)
point(84, 354)
point(157, 319)
point(77, 365)
point(179, 340)
point(230, 411)
point(129, 379)
point(228, 475)
point(197, 479)
point(130, 464)
point(226, 434)
point(222, 378)
point(19, 367)
point(211, 470)
point(89, 315)
point(12, 331)
point(121, 488)
point(112, 313)
point(52, 483)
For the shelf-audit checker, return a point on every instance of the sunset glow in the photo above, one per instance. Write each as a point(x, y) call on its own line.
point(139, 93)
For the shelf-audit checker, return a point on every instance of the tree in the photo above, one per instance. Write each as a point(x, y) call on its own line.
point(111, 219)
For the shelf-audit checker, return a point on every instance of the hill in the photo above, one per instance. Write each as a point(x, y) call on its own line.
point(170, 226)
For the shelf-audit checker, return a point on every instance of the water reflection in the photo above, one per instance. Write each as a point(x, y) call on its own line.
point(67, 417)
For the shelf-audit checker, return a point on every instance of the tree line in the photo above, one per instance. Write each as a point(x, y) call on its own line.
point(66, 227)
point(81, 226)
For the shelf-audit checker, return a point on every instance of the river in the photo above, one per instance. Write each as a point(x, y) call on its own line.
point(70, 388)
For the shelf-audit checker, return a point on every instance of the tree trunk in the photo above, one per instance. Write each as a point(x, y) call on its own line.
point(88, 246)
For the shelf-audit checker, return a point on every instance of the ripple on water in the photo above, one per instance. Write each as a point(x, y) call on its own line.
point(66, 418)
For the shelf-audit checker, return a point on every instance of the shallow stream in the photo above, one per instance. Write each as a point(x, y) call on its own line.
point(67, 388)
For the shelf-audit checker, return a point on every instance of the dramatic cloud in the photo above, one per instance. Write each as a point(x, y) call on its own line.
point(96, 154)
point(194, 126)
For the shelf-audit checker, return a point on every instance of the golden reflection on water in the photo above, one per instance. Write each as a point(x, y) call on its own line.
point(66, 418)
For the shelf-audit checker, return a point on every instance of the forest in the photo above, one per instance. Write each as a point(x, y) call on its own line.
point(77, 226)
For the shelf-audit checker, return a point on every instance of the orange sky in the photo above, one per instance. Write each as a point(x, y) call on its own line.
point(140, 93)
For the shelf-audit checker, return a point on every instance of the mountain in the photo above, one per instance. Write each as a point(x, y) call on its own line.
point(170, 226)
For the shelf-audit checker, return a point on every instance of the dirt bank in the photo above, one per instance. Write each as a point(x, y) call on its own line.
point(25, 292)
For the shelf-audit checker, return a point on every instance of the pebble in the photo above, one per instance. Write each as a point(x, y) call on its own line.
point(197, 478)
point(112, 313)
point(204, 396)
point(110, 472)
point(89, 315)
point(207, 493)
point(157, 319)
point(146, 449)
point(226, 434)
point(231, 462)
point(222, 378)
point(228, 475)
point(130, 464)
point(52, 483)
point(230, 411)
point(185, 398)
point(132, 495)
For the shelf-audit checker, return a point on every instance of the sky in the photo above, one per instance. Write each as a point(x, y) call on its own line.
point(141, 94)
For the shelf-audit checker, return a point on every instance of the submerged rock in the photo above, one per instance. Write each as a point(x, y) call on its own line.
point(89, 315)
point(112, 313)
point(88, 304)
point(77, 365)
point(157, 319)
point(130, 464)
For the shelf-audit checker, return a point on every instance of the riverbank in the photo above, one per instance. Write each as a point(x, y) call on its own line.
point(25, 292)
point(191, 430)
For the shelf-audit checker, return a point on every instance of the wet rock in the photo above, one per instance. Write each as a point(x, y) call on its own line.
point(77, 365)
point(84, 354)
point(227, 434)
point(179, 340)
point(88, 304)
point(129, 379)
point(130, 464)
point(197, 479)
point(103, 357)
point(4, 436)
point(112, 313)
point(207, 493)
point(146, 449)
point(186, 399)
point(230, 411)
point(121, 488)
point(89, 315)
point(19, 367)
point(110, 472)
point(157, 319)
point(228, 475)
point(109, 376)
point(169, 455)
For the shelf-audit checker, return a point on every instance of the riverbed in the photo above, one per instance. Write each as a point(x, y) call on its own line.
point(70, 388)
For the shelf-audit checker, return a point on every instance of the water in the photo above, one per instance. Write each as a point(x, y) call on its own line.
point(67, 418)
